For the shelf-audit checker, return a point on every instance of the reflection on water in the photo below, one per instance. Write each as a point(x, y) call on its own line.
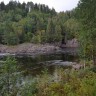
point(35, 66)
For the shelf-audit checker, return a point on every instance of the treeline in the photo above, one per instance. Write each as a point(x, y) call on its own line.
point(26, 7)
point(35, 23)
point(86, 15)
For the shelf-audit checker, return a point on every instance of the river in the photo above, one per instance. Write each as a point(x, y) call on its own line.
point(36, 65)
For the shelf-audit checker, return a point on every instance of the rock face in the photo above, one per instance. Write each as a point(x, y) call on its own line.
point(70, 44)
point(36, 49)
point(28, 48)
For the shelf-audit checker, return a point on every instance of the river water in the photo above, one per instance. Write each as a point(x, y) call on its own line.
point(36, 65)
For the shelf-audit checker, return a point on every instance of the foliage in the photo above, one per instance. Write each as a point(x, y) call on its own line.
point(87, 35)
point(9, 77)
point(72, 27)
point(20, 22)
point(70, 84)
point(60, 83)
point(36, 23)
point(28, 89)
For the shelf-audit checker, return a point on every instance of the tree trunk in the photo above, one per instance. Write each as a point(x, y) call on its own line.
point(94, 60)
point(63, 41)
point(84, 64)
point(64, 38)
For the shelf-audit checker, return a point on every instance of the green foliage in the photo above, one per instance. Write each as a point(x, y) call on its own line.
point(28, 89)
point(72, 27)
point(86, 15)
point(58, 36)
point(70, 84)
point(21, 23)
point(9, 77)
point(54, 31)
point(9, 36)
point(61, 83)
point(50, 31)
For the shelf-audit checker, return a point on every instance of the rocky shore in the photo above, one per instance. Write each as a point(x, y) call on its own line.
point(28, 49)
point(37, 49)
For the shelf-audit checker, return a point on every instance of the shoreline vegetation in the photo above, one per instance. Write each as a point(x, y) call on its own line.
point(60, 83)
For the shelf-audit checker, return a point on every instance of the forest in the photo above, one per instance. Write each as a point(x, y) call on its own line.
point(35, 23)
point(38, 24)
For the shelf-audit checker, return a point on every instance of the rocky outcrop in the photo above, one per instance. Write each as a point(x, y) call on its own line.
point(28, 48)
point(70, 44)
point(38, 49)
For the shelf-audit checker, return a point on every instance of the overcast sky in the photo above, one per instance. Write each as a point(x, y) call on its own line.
point(59, 5)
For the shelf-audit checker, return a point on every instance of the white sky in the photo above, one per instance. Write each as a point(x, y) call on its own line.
point(59, 5)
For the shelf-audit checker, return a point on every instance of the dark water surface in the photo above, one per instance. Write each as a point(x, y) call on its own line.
point(36, 65)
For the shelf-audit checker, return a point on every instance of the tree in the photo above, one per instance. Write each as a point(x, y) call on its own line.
point(72, 28)
point(20, 22)
point(87, 16)
point(9, 77)
point(10, 37)
point(2, 6)
point(58, 35)
point(50, 31)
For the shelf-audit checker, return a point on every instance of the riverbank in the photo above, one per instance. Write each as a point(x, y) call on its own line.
point(29, 48)
point(35, 49)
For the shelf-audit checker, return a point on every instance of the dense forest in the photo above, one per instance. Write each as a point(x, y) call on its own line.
point(37, 23)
